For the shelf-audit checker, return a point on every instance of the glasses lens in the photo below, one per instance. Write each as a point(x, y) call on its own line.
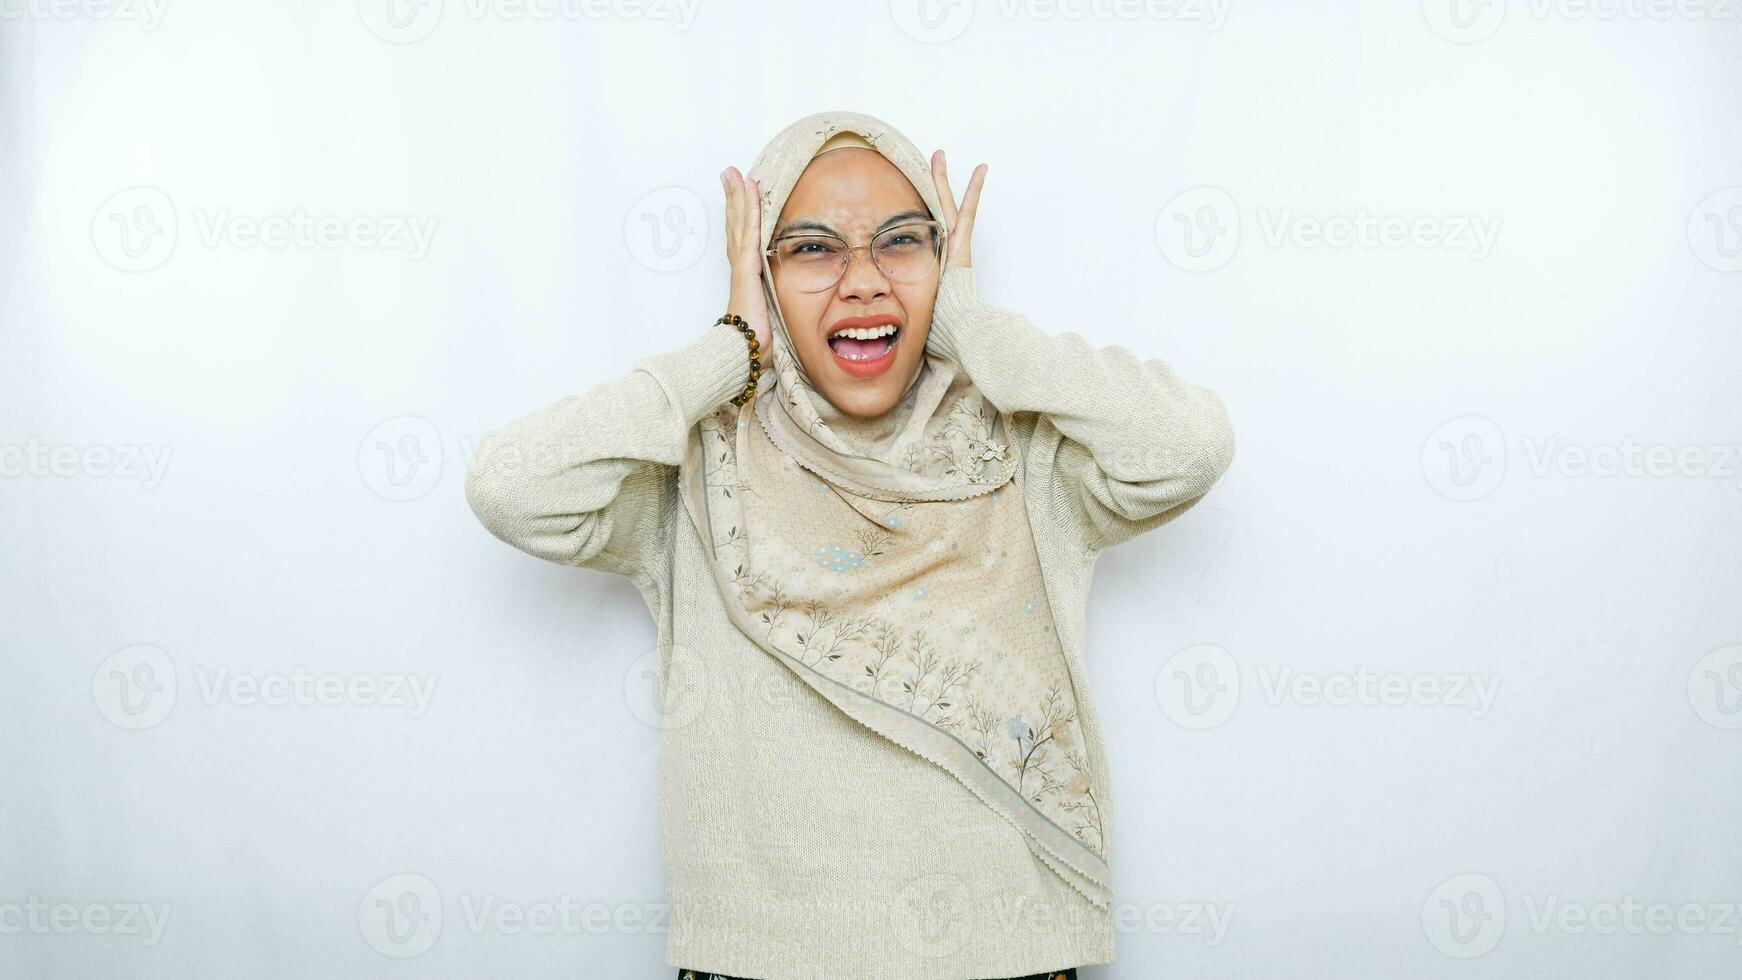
point(907, 253)
point(811, 262)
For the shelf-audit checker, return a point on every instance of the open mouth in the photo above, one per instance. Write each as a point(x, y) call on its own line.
point(864, 350)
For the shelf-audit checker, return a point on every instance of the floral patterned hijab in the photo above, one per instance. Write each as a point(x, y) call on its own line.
point(889, 563)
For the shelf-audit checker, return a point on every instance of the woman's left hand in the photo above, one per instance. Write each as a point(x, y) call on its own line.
point(960, 221)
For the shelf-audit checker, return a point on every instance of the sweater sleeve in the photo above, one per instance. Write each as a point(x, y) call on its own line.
point(1140, 444)
point(581, 482)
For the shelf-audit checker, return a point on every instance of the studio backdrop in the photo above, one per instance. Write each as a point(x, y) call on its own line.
point(1444, 678)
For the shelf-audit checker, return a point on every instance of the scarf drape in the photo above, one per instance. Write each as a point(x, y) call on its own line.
point(889, 563)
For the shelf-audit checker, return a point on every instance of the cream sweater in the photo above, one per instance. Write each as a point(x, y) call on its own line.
point(798, 844)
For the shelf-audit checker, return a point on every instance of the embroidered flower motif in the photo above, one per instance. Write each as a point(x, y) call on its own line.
point(838, 559)
point(989, 450)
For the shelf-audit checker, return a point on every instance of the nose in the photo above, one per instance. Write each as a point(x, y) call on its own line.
point(862, 280)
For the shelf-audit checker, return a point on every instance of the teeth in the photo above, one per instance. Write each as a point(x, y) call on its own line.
point(866, 333)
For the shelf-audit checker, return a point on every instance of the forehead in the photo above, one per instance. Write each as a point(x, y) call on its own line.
point(850, 186)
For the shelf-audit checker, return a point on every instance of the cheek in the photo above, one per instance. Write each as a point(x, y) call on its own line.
point(804, 318)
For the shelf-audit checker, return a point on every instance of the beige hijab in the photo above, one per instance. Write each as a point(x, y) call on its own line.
point(889, 562)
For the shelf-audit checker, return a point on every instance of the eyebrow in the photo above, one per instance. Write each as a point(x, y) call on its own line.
point(814, 225)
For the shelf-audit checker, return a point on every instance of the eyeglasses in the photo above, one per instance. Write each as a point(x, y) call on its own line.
point(813, 262)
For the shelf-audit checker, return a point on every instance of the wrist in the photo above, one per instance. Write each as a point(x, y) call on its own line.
point(705, 373)
point(954, 311)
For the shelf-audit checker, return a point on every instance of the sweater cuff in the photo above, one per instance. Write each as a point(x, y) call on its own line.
point(955, 312)
point(704, 374)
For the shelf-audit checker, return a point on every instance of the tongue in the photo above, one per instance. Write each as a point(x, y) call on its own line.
point(849, 347)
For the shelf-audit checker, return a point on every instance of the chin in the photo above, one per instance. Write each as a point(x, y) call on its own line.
point(863, 400)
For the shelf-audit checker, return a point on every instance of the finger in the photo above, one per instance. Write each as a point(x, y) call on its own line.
point(971, 200)
point(753, 221)
point(748, 217)
point(752, 215)
point(941, 178)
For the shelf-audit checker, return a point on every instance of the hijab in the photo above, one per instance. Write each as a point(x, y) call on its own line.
point(889, 563)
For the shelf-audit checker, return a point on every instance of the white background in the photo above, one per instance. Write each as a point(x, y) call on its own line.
point(1445, 471)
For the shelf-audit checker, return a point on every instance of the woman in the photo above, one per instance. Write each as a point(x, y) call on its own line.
point(864, 508)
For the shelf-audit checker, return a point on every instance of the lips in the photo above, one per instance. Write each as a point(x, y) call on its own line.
point(864, 346)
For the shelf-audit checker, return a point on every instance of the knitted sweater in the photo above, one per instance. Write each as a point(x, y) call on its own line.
point(798, 844)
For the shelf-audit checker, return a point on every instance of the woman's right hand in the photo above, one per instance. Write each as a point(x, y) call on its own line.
point(744, 251)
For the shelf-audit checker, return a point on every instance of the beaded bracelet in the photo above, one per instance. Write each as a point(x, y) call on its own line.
point(749, 391)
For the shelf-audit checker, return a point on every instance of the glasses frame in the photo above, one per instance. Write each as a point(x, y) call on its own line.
point(943, 235)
